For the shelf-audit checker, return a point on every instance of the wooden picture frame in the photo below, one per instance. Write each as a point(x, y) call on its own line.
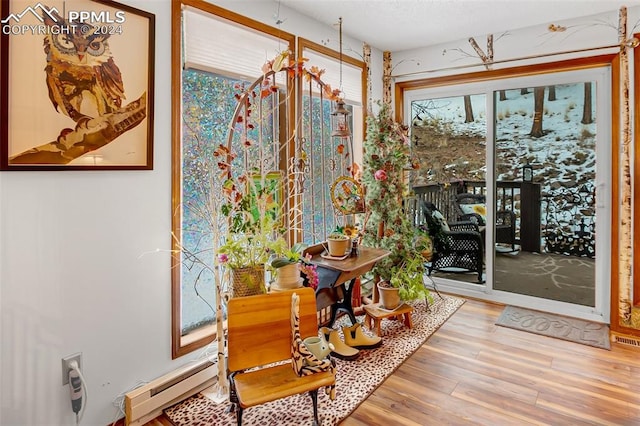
point(76, 86)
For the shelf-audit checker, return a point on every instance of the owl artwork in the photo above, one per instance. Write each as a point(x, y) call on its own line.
point(82, 78)
point(85, 84)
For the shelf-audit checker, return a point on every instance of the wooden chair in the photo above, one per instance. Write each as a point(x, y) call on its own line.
point(259, 335)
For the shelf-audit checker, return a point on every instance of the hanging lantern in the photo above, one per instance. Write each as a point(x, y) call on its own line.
point(340, 121)
point(340, 115)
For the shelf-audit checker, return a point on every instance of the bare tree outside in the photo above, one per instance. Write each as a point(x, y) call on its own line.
point(587, 117)
point(468, 110)
point(552, 94)
point(538, 100)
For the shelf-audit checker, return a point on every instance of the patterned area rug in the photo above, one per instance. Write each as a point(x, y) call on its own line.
point(561, 327)
point(355, 379)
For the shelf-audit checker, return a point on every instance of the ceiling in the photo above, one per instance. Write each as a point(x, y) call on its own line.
point(397, 25)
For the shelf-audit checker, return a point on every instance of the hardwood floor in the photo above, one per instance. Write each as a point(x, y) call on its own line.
point(474, 372)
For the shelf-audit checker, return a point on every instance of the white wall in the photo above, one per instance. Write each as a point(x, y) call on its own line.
point(79, 271)
point(73, 278)
point(458, 57)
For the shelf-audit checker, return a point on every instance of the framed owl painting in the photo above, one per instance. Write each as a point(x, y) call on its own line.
point(76, 86)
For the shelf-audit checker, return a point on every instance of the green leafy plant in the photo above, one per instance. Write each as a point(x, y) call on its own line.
point(335, 236)
point(386, 154)
point(408, 278)
point(252, 248)
point(338, 233)
point(254, 235)
point(288, 257)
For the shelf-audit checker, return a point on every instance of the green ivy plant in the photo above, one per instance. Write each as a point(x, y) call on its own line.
point(386, 155)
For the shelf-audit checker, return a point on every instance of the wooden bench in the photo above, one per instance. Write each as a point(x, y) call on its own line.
point(259, 335)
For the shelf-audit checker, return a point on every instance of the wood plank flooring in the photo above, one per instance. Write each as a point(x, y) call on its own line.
point(472, 372)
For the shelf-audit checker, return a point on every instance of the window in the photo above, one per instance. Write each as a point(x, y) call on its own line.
point(326, 161)
point(201, 124)
point(554, 117)
point(208, 73)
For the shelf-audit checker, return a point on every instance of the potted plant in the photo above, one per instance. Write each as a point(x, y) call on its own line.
point(386, 156)
point(246, 253)
point(338, 244)
point(341, 241)
point(286, 269)
point(405, 283)
point(254, 234)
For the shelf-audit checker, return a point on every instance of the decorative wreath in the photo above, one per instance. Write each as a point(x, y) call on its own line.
point(347, 195)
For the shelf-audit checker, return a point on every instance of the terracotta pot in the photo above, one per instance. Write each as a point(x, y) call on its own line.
point(389, 296)
point(338, 247)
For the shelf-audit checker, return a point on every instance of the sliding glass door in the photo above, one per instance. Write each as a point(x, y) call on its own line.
point(528, 160)
point(545, 141)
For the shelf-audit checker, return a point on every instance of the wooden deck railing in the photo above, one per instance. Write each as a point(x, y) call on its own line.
point(522, 198)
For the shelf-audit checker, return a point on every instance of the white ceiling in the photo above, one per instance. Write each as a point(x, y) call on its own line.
point(397, 25)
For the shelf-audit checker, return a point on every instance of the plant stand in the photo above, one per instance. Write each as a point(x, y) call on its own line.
point(375, 313)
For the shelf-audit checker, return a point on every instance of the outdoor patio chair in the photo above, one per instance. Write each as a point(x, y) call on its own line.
point(457, 246)
point(472, 207)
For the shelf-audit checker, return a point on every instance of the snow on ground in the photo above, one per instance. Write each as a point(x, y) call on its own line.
point(565, 154)
point(564, 158)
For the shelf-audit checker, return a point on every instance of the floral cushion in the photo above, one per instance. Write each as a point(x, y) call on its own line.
point(440, 220)
point(479, 209)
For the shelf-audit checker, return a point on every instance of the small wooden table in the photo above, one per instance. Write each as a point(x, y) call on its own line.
point(336, 277)
point(376, 313)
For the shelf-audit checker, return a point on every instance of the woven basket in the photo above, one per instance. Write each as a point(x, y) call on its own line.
point(247, 281)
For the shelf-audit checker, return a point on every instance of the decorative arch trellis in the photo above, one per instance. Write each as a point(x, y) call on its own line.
point(265, 155)
point(293, 152)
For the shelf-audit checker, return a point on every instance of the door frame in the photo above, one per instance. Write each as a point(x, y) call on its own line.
point(598, 69)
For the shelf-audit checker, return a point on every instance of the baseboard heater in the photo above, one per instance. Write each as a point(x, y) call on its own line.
point(626, 340)
point(147, 402)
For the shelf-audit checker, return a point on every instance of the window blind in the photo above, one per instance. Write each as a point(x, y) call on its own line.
point(351, 75)
point(215, 44)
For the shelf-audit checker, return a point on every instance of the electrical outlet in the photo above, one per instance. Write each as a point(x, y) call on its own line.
point(65, 366)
